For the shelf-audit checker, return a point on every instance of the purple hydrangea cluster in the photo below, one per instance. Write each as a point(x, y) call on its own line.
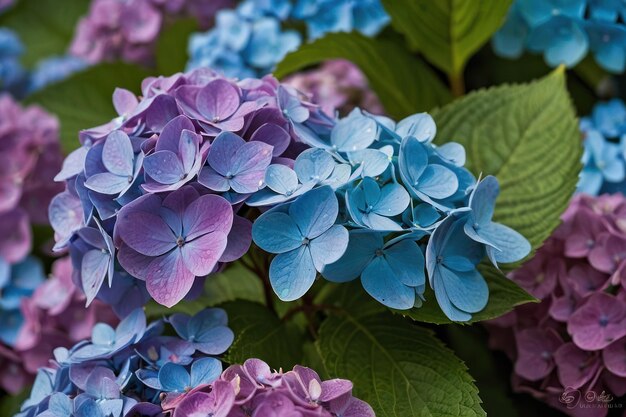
point(337, 86)
point(128, 30)
point(160, 197)
point(574, 340)
point(52, 314)
point(134, 369)
point(152, 199)
point(252, 389)
point(604, 133)
point(30, 155)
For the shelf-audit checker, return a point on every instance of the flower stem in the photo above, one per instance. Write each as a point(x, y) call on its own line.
point(457, 84)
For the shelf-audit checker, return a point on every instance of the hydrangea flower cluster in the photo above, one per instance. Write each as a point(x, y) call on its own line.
point(37, 316)
point(139, 190)
point(324, 16)
point(565, 31)
point(242, 44)
point(337, 86)
point(54, 69)
point(29, 156)
point(252, 389)
point(249, 41)
point(576, 337)
point(154, 196)
point(126, 370)
point(128, 30)
point(604, 134)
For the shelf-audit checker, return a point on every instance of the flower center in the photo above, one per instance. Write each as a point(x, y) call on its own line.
point(129, 179)
point(379, 252)
point(305, 241)
point(604, 321)
point(180, 241)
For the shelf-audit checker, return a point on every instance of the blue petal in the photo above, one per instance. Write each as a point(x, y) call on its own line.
point(373, 161)
point(394, 199)
point(102, 334)
point(452, 152)
point(513, 246)
point(174, 378)
point(412, 160)
point(406, 260)
point(360, 250)
point(483, 200)
point(292, 273)
point(106, 183)
point(314, 165)
point(380, 282)
point(276, 232)
point(448, 309)
point(149, 378)
point(60, 405)
point(420, 126)
point(354, 132)
point(73, 164)
point(329, 246)
point(131, 328)
point(315, 211)
point(467, 291)
point(438, 182)
point(281, 179)
point(222, 152)
point(205, 371)
point(94, 268)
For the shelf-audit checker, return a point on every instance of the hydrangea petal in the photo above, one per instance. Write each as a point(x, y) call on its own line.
point(276, 232)
point(382, 284)
point(292, 273)
point(329, 246)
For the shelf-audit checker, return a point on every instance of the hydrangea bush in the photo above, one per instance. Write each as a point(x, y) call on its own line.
point(566, 31)
point(574, 338)
point(317, 209)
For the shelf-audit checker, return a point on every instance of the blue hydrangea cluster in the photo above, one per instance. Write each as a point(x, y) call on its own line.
point(249, 40)
point(16, 282)
point(18, 81)
point(135, 369)
point(379, 202)
point(160, 197)
point(604, 159)
point(565, 31)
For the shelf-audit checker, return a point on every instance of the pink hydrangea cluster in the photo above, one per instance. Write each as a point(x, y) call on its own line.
point(253, 389)
point(54, 316)
point(337, 85)
point(128, 29)
point(571, 346)
point(30, 155)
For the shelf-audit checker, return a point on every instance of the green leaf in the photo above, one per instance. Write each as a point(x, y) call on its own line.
point(10, 404)
point(259, 333)
point(84, 100)
point(447, 32)
point(171, 49)
point(404, 84)
point(45, 27)
point(235, 283)
point(400, 369)
point(527, 136)
point(504, 295)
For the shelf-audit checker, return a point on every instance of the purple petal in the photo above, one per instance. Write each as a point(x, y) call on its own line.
point(162, 110)
point(188, 148)
point(168, 280)
point(164, 167)
point(124, 101)
point(222, 152)
point(273, 135)
point(73, 164)
point(93, 271)
point(201, 254)
point(170, 136)
point(196, 222)
point(239, 239)
point(146, 233)
point(117, 154)
point(218, 100)
point(213, 180)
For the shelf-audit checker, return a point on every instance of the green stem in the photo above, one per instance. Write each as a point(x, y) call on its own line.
point(457, 84)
